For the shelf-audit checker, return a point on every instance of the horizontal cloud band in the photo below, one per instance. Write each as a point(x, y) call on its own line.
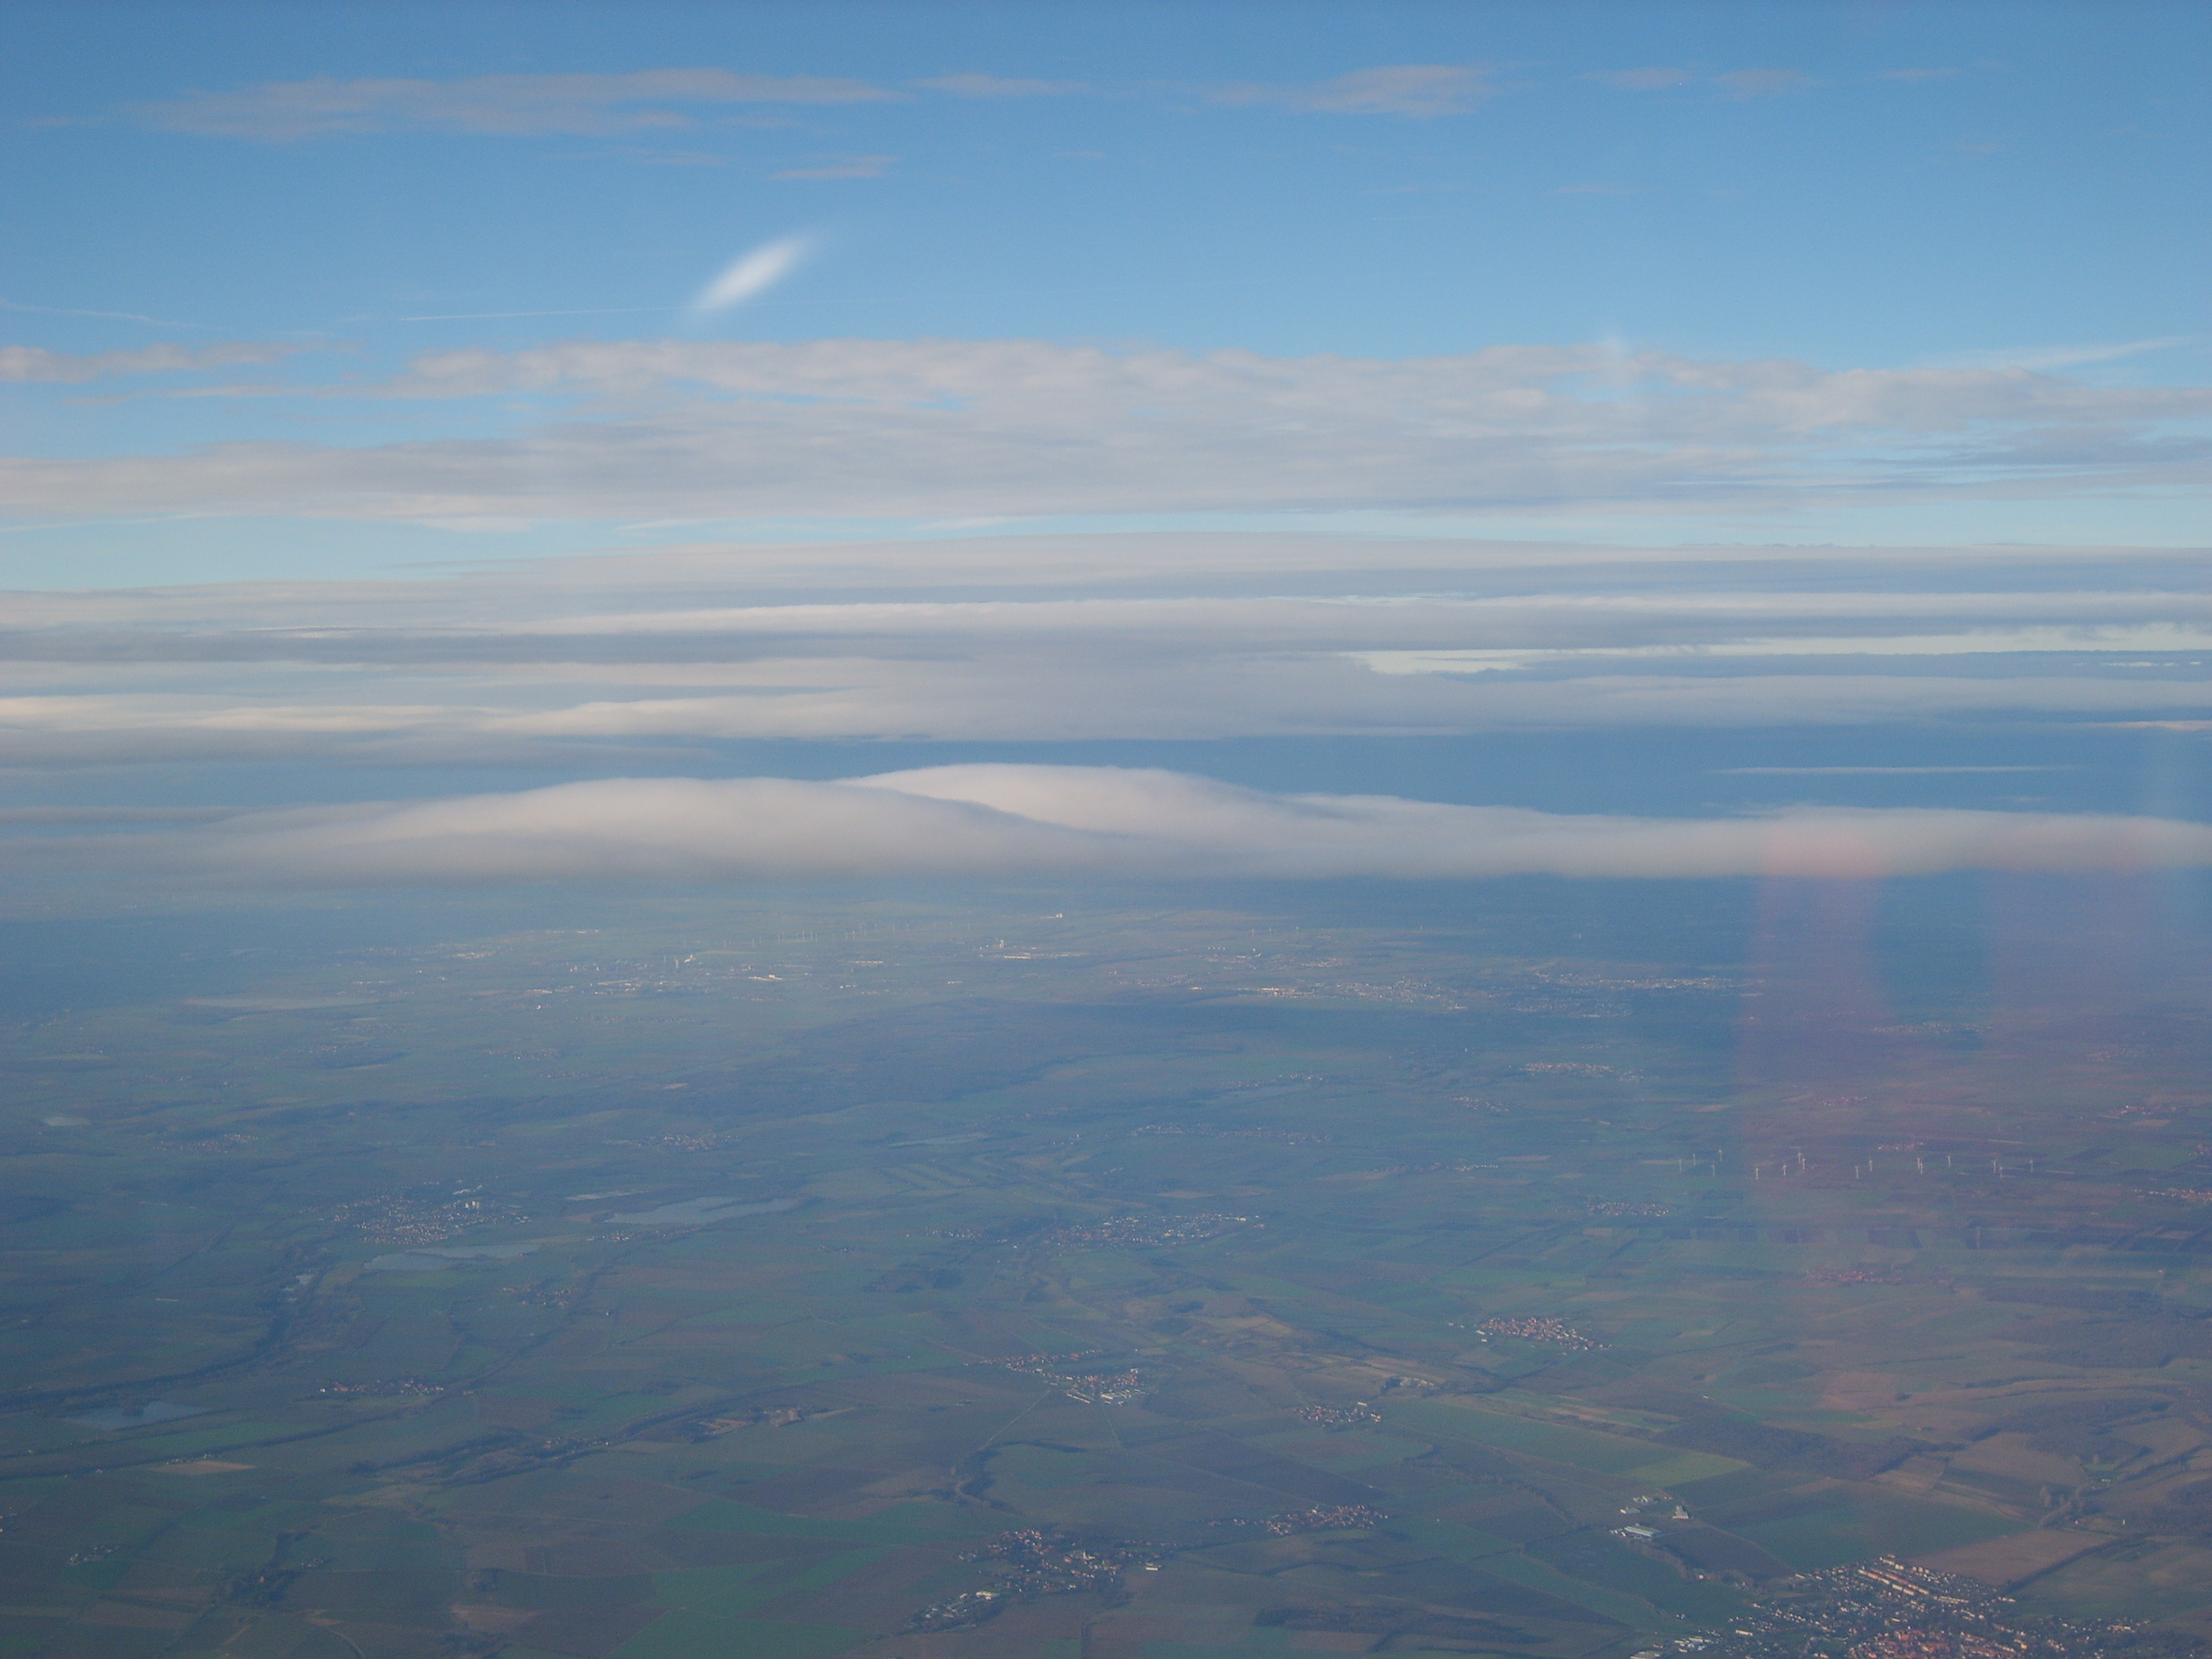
point(857, 428)
point(989, 820)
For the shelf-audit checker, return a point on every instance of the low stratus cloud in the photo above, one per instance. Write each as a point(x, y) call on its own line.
point(998, 821)
point(502, 106)
point(870, 429)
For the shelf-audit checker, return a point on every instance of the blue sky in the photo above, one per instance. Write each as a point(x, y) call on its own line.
point(1191, 375)
point(1849, 186)
point(1857, 185)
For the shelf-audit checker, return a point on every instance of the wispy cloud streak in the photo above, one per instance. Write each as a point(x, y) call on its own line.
point(491, 105)
point(1422, 91)
point(27, 365)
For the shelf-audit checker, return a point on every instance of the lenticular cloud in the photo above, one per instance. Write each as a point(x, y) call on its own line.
point(987, 821)
point(751, 274)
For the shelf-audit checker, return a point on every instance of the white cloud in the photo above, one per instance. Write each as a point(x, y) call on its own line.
point(1419, 90)
point(21, 365)
point(998, 821)
point(505, 106)
point(752, 273)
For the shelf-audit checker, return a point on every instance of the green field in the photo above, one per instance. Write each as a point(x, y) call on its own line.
point(1605, 1453)
point(1872, 1525)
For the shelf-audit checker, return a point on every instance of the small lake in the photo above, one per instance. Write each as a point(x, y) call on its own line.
point(694, 1210)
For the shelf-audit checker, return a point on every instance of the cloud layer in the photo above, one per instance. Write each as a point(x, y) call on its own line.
point(1056, 638)
point(998, 821)
point(850, 428)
